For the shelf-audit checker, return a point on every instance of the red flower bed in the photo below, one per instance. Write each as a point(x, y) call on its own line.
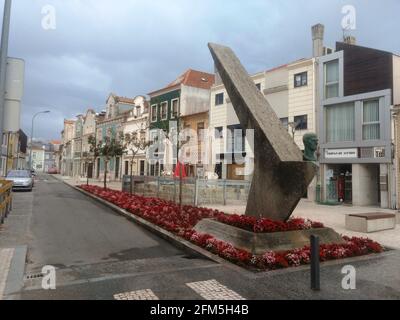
point(168, 215)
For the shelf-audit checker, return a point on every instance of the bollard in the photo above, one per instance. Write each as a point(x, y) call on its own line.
point(315, 267)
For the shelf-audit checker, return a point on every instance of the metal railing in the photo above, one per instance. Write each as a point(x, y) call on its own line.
point(5, 199)
point(195, 192)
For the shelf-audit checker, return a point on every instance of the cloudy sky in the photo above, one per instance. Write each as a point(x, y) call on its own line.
point(133, 47)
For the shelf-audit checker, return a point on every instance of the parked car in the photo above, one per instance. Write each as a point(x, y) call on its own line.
point(52, 171)
point(22, 179)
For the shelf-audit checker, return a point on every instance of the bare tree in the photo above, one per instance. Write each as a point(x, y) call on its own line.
point(134, 143)
point(179, 142)
point(108, 149)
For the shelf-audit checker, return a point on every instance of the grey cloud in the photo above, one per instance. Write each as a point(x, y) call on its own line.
point(133, 47)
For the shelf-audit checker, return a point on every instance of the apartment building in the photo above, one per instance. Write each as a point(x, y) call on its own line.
point(77, 146)
point(38, 158)
point(359, 88)
point(185, 101)
point(137, 122)
point(67, 163)
point(118, 109)
point(88, 130)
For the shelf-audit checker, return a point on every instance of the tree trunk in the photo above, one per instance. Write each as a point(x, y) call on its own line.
point(105, 174)
point(87, 173)
point(180, 186)
point(131, 177)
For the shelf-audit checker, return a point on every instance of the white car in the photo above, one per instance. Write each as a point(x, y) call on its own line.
point(22, 179)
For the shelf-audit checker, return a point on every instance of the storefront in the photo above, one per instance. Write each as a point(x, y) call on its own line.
point(357, 184)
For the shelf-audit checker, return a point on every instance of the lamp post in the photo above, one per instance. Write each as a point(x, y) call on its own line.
point(33, 122)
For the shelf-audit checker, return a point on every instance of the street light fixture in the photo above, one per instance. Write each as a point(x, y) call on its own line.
point(33, 122)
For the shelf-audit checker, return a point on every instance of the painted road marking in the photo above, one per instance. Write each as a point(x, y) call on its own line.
point(5, 263)
point(213, 290)
point(137, 295)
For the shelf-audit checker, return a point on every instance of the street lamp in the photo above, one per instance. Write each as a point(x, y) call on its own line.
point(33, 122)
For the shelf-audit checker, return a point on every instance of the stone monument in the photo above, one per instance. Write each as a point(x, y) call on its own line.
point(281, 177)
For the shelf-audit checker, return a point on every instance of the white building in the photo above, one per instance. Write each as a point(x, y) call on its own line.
point(231, 147)
point(137, 122)
point(38, 158)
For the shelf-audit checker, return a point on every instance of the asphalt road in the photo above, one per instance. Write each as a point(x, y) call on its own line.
point(99, 255)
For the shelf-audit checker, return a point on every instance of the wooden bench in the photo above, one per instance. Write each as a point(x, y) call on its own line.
point(370, 222)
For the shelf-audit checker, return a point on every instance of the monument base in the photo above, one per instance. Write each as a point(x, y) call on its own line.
point(259, 243)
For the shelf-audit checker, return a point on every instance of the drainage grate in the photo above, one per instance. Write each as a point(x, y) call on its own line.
point(34, 276)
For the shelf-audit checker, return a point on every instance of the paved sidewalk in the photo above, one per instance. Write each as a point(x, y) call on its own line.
point(334, 217)
point(6, 256)
point(115, 185)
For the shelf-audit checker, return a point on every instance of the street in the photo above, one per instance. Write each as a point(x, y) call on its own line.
point(100, 255)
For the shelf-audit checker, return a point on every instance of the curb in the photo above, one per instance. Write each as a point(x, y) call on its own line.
point(15, 278)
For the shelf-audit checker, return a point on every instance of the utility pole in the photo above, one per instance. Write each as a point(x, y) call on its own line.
point(3, 63)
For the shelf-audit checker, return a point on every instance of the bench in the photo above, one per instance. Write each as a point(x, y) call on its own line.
point(370, 222)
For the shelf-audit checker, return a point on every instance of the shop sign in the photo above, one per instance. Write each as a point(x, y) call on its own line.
point(341, 153)
point(379, 152)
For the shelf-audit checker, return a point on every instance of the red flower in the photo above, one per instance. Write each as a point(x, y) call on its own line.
point(169, 216)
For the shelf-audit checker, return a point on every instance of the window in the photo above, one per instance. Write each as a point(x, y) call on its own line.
point(301, 122)
point(154, 113)
point(340, 122)
point(164, 111)
point(236, 139)
point(332, 79)
point(219, 99)
point(258, 85)
point(174, 108)
point(138, 111)
point(200, 131)
point(285, 122)
point(300, 79)
point(371, 125)
point(219, 133)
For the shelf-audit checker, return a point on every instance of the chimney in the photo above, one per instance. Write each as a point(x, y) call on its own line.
point(350, 40)
point(318, 40)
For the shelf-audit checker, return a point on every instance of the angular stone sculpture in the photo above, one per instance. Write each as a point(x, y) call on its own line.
point(281, 177)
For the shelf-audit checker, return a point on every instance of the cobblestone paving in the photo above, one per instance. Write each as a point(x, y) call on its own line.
point(213, 290)
point(5, 262)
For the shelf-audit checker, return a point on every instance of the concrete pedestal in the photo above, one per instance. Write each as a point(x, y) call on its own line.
point(259, 243)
